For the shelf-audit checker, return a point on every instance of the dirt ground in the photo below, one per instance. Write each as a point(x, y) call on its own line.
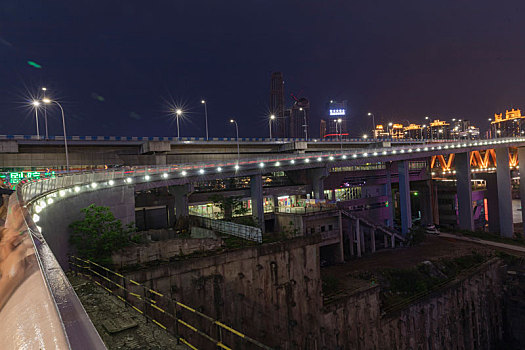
point(106, 311)
point(433, 248)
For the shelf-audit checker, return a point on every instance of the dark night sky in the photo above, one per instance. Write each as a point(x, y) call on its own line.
point(400, 59)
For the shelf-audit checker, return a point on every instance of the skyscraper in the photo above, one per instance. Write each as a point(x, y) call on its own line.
point(277, 104)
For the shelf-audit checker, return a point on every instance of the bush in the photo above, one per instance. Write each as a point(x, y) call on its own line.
point(99, 234)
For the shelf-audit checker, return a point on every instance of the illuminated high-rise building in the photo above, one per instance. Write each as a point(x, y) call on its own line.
point(512, 125)
point(330, 125)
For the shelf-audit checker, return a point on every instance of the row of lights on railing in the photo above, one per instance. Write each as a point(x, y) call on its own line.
point(236, 167)
point(477, 170)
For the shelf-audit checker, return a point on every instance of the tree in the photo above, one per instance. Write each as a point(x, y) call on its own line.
point(229, 206)
point(99, 234)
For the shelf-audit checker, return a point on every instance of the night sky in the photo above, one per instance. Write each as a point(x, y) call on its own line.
point(116, 66)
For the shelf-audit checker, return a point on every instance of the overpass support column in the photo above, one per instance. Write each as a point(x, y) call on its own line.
point(181, 193)
point(464, 191)
point(425, 199)
point(388, 192)
point(256, 192)
point(492, 201)
point(521, 160)
point(316, 178)
point(404, 193)
point(506, 225)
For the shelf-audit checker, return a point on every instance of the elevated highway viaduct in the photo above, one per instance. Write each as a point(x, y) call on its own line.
point(63, 319)
point(86, 152)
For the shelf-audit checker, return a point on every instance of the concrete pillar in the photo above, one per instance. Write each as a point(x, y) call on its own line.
point(385, 240)
point(388, 192)
point(404, 194)
point(362, 236)
point(521, 160)
point(181, 193)
point(464, 191)
point(358, 237)
point(256, 192)
point(373, 240)
point(170, 209)
point(352, 237)
point(506, 225)
point(316, 178)
point(341, 241)
point(434, 202)
point(492, 201)
point(425, 201)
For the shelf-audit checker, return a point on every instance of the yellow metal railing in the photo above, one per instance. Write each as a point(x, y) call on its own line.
point(151, 308)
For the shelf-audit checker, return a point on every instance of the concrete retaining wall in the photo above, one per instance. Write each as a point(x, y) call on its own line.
point(56, 218)
point(163, 250)
point(273, 293)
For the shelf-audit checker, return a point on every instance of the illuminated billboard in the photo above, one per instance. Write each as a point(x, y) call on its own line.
point(12, 178)
point(338, 111)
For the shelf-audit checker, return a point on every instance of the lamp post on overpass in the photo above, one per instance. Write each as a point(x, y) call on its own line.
point(339, 122)
point(272, 118)
point(373, 124)
point(237, 133)
point(45, 113)
point(48, 101)
point(206, 117)
point(36, 104)
point(178, 113)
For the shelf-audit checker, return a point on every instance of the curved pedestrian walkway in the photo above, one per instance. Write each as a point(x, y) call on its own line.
point(513, 247)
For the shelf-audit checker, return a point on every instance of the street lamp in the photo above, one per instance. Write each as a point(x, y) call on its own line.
point(36, 104)
point(305, 125)
point(373, 123)
point(178, 113)
point(45, 113)
point(365, 136)
point(237, 133)
point(339, 121)
point(48, 101)
point(490, 128)
point(272, 117)
point(205, 116)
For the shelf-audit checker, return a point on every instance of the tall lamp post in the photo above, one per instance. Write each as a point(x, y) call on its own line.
point(373, 124)
point(272, 117)
point(36, 104)
point(48, 101)
point(205, 116)
point(305, 125)
point(490, 128)
point(45, 113)
point(339, 122)
point(237, 133)
point(178, 113)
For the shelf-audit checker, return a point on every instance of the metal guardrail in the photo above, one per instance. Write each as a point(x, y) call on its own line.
point(52, 316)
point(146, 302)
point(230, 228)
point(213, 139)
